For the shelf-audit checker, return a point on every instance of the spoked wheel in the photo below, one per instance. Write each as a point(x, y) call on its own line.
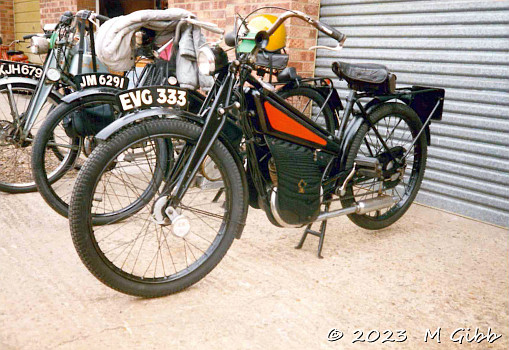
point(57, 156)
point(312, 104)
point(398, 125)
point(15, 166)
point(140, 255)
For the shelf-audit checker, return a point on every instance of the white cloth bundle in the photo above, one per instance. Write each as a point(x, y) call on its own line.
point(115, 43)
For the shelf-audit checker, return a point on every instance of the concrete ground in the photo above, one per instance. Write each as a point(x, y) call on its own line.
point(431, 269)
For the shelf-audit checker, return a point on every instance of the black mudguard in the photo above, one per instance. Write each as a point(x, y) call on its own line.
point(153, 113)
point(87, 92)
point(381, 99)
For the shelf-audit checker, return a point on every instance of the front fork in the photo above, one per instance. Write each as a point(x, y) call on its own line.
point(38, 99)
point(215, 120)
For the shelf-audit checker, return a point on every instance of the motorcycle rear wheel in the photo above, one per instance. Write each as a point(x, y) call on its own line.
point(398, 125)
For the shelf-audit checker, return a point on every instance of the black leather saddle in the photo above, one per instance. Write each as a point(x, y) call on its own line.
point(366, 76)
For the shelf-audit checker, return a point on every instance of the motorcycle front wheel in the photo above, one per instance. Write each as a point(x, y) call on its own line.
point(15, 166)
point(55, 172)
point(137, 255)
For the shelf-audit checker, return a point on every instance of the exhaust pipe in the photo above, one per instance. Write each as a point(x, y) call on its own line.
point(361, 207)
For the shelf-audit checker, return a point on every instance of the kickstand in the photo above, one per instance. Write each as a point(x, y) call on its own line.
point(320, 234)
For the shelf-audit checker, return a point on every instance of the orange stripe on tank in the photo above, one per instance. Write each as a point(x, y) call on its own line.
point(283, 123)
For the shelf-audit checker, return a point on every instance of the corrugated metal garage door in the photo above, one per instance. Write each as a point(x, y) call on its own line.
point(462, 46)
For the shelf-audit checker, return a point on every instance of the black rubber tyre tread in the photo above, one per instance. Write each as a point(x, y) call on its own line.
point(44, 185)
point(415, 123)
point(80, 223)
point(309, 92)
point(30, 188)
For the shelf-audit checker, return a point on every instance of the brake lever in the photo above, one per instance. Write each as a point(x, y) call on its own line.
point(330, 48)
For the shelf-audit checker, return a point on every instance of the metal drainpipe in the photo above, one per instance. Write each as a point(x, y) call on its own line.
point(316, 42)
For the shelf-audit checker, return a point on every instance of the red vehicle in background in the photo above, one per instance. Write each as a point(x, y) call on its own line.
point(12, 55)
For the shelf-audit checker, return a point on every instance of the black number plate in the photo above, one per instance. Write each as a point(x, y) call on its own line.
point(16, 69)
point(153, 96)
point(101, 79)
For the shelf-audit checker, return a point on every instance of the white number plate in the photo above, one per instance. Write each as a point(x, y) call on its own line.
point(153, 96)
point(16, 69)
point(101, 79)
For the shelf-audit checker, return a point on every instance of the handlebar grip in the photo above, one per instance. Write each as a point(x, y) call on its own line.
point(332, 32)
point(101, 18)
point(28, 36)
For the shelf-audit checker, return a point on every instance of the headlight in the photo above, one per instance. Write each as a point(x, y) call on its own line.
point(211, 61)
point(53, 75)
point(39, 45)
point(206, 61)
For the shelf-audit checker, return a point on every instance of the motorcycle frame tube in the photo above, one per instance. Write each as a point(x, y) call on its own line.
point(41, 95)
point(332, 142)
point(44, 89)
point(214, 122)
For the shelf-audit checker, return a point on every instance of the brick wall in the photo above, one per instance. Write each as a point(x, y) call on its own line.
point(6, 21)
point(51, 10)
point(300, 36)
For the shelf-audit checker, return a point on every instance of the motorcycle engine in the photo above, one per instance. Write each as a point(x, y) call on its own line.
point(296, 171)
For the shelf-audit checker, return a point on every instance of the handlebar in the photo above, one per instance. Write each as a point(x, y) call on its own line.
point(324, 28)
point(332, 32)
point(29, 36)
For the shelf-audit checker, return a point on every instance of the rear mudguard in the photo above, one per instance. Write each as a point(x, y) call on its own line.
point(380, 99)
point(154, 113)
point(346, 143)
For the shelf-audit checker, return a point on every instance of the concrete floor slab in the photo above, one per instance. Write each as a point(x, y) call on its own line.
point(431, 269)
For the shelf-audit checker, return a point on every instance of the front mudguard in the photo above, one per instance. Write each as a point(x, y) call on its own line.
point(27, 81)
point(12, 80)
point(153, 113)
point(87, 92)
